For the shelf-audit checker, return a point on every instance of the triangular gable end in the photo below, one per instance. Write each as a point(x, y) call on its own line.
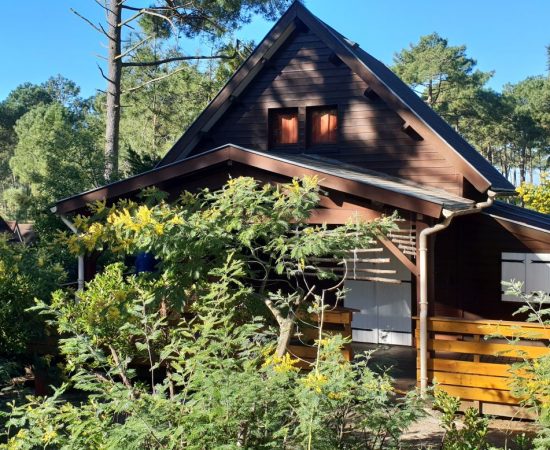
point(410, 108)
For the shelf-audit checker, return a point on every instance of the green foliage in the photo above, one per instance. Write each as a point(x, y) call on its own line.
point(48, 140)
point(221, 385)
point(214, 377)
point(156, 114)
point(441, 72)
point(56, 153)
point(266, 226)
point(511, 129)
point(471, 434)
point(213, 18)
point(536, 197)
point(25, 273)
point(530, 378)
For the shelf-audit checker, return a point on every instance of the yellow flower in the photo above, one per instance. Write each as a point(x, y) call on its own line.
point(144, 215)
point(176, 220)
point(49, 436)
point(323, 342)
point(159, 228)
point(335, 395)
point(315, 381)
point(282, 364)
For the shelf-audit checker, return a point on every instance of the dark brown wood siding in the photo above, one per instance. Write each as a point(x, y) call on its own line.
point(467, 267)
point(370, 134)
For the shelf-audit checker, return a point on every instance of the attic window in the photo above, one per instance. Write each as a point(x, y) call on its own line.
point(322, 125)
point(283, 126)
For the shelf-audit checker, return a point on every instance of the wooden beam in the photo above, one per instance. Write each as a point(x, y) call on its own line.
point(524, 231)
point(370, 94)
point(399, 255)
point(339, 216)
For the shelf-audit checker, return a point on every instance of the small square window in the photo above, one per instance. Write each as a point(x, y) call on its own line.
point(283, 127)
point(322, 125)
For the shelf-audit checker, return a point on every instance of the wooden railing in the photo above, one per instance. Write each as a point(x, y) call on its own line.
point(336, 321)
point(471, 359)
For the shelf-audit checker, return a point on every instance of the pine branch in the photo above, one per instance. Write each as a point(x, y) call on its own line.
point(131, 49)
point(178, 58)
point(89, 22)
point(135, 88)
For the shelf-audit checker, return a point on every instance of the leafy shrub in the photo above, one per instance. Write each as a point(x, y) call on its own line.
point(221, 384)
point(25, 273)
point(471, 435)
point(531, 377)
point(536, 197)
point(214, 375)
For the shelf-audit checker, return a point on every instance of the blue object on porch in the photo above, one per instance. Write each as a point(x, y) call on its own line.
point(145, 262)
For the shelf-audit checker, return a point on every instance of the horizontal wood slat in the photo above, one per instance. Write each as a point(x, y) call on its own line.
point(487, 348)
point(486, 328)
point(451, 340)
point(460, 379)
point(482, 394)
point(468, 367)
point(336, 321)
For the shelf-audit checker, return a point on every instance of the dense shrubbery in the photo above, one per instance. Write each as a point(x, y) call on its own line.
point(180, 358)
point(531, 377)
point(226, 388)
point(25, 273)
point(536, 197)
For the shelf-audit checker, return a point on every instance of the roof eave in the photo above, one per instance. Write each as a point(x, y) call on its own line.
point(258, 160)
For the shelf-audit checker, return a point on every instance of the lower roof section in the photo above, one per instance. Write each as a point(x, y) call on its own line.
point(332, 174)
point(521, 217)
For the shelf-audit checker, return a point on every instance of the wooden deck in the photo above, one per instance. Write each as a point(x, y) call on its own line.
point(471, 359)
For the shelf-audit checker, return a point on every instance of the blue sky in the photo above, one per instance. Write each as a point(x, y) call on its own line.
point(508, 36)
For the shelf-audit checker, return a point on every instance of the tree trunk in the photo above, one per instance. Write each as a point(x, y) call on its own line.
point(430, 94)
point(285, 333)
point(113, 90)
point(522, 165)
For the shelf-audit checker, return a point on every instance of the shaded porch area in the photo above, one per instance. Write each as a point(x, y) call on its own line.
point(398, 361)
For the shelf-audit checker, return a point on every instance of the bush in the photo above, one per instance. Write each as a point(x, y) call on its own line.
point(25, 273)
point(214, 375)
point(472, 435)
point(213, 381)
point(531, 377)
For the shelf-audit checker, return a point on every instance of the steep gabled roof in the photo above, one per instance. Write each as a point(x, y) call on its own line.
point(475, 168)
point(4, 227)
point(334, 175)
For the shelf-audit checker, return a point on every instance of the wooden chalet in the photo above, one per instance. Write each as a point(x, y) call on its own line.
point(309, 101)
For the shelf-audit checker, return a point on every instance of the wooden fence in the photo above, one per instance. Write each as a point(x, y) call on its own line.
point(336, 321)
point(471, 359)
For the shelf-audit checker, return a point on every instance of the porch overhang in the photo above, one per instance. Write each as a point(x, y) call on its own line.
point(333, 175)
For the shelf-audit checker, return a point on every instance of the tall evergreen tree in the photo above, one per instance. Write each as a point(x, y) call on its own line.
point(166, 19)
point(443, 75)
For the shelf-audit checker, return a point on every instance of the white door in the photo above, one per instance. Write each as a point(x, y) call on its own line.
point(384, 315)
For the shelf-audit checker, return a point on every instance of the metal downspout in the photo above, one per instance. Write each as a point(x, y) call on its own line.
point(423, 303)
point(80, 282)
